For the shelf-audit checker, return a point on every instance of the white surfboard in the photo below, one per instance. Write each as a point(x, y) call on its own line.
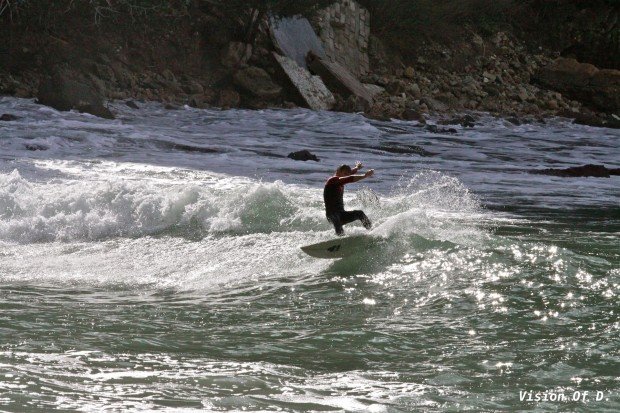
point(339, 247)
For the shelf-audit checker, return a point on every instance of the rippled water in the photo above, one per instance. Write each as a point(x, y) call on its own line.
point(152, 262)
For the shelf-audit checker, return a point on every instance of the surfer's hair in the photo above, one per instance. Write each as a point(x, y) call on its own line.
point(344, 168)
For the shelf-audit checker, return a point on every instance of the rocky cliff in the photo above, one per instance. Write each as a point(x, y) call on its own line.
point(192, 53)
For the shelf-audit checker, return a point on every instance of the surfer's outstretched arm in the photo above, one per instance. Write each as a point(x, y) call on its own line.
point(355, 178)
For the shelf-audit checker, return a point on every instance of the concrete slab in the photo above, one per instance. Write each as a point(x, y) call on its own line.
point(294, 37)
point(311, 89)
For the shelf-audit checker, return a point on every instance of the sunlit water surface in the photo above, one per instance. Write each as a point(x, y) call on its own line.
point(152, 262)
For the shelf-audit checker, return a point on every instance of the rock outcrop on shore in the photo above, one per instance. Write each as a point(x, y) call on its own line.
point(597, 171)
point(583, 82)
point(303, 155)
point(495, 73)
point(63, 91)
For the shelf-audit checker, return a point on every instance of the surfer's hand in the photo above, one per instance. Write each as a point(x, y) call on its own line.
point(358, 165)
point(369, 172)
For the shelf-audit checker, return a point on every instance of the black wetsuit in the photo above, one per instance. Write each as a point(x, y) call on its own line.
point(334, 205)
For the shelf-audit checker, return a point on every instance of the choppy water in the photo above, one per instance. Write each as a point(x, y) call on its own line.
point(152, 262)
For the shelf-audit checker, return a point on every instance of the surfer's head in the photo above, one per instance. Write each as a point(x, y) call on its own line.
point(344, 170)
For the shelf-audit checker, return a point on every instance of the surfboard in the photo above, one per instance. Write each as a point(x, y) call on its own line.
point(339, 247)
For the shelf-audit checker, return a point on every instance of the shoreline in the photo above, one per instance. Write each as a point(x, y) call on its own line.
point(85, 66)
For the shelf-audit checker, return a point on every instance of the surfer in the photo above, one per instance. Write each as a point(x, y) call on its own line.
point(333, 194)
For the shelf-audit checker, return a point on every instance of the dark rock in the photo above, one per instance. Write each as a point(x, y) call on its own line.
point(436, 129)
point(7, 117)
point(515, 121)
point(384, 111)
point(184, 148)
point(193, 88)
point(258, 82)
point(36, 147)
point(396, 87)
point(583, 82)
point(434, 104)
point(591, 119)
point(411, 114)
point(354, 104)
point(199, 101)
point(170, 106)
point(228, 99)
point(377, 114)
point(466, 121)
point(405, 149)
point(63, 92)
point(303, 155)
point(491, 89)
point(132, 104)
point(266, 154)
point(597, 171)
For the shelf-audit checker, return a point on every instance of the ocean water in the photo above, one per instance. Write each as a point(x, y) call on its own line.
point(152, 262)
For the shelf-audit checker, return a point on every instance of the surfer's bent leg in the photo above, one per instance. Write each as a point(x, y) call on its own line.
point(350, 216)
point(336, 221)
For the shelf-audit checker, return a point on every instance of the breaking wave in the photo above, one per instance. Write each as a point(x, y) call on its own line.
point(428, 204)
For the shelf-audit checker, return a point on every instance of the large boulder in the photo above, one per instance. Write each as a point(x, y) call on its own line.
point(303, 155)
point(583, 82)
point(258, 82)
point(7, 117)
point(590, 170)
point(228, 98)
point(236, 54)
point(65, 91)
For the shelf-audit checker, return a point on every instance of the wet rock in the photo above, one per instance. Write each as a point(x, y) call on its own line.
point(63, 92)
point(412, 114)
point(377, 112)
point(590, 170)
point(258, 82)
point(304, 155)
point(404, 149)
point(583, 82)
point(170, 106)
point(466, 121)
point(437, 129)
point(592, 119)
point(236, 54)
point(184, 147)
point(228, 99)
point(198, 101)
point(35, 147)
point(354, 104)
point(132, 104)
point(7, 117)
point(193, 88)
point(515, 121)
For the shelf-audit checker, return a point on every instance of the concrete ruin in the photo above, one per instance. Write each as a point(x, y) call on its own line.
point(339, 58)
point(294, 37)
point(338, 79)
point(311, 89)
point(344, 29)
